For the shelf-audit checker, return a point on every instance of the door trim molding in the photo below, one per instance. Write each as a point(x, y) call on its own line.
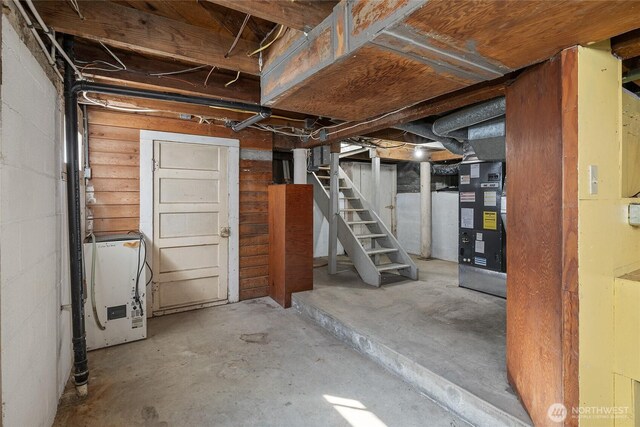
point(147, 138)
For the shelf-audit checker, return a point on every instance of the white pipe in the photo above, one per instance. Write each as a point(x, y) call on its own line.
point(49, 34)
point(38, 39)
point(425, 217)
point(300, 165)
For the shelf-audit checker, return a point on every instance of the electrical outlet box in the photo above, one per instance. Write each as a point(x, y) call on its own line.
point(593, 179)
point(634, 214)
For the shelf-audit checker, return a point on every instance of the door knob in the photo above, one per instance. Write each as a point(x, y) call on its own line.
point(225, 232)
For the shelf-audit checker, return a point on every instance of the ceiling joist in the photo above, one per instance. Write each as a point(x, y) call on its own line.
point(626, 45)
point(299, 15)
point(155, 74)
point(439, 105)
point(143, 32)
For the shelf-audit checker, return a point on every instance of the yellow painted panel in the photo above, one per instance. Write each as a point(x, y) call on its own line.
point(598, 144)
point(599, 120)
point(630, 144)
point(627, 402)
point(627, 326)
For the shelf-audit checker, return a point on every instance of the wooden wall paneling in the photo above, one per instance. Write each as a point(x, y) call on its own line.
point(115, 203)
point(255, 177)
point(541, 246)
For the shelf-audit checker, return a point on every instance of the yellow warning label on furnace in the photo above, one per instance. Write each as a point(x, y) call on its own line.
point(490, 220)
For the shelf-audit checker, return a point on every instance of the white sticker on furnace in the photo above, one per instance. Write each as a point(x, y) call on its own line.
point(490, 198)
point(480, 246)
point(465, 179)
point(466, 218)
point(468, 196)
point(475, 170)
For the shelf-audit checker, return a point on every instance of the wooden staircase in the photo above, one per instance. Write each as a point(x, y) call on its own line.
point(365, 238)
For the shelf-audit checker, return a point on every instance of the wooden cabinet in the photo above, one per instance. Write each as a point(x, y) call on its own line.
point(290, 241)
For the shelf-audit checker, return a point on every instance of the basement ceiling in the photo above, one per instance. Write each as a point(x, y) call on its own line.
point(350, 61)
point(372, 57)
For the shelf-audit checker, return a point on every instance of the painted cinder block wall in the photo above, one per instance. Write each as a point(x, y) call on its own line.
point(35, 332)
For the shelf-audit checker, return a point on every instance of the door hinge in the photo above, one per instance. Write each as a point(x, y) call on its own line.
point(155, 164)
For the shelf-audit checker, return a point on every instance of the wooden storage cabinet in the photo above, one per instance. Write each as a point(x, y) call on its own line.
point(290, 241)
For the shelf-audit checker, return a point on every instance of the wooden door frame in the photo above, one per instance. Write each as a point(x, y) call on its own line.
point(147, 139)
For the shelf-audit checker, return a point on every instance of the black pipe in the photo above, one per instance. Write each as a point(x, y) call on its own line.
point(81, 367)
point(85, 86)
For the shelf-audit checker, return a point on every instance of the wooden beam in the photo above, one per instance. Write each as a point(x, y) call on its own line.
point(142, 73)
point(444, 156)
point(169, 122)
point(627, 45)
point(439, 105)
point(218, 115)
point(132, 29)
point(300, 15)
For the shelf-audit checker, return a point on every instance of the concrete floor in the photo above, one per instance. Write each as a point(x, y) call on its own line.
point(454, 333)
point(245, 364)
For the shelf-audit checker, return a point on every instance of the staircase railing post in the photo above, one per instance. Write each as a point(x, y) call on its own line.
point(334, 194)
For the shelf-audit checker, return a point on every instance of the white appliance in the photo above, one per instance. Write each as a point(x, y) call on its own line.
point(115, 301)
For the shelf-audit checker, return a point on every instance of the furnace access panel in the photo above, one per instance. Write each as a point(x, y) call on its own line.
point(481, 231)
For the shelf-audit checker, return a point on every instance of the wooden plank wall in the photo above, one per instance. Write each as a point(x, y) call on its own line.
point(542, 304)
point(115, 200)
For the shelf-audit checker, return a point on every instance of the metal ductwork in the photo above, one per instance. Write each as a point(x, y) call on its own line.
point(424, 129)
point(444, 126)
point(453, 169)
point(488, 139)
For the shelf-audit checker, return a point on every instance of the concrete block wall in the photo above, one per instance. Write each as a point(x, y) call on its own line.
point(34, 331)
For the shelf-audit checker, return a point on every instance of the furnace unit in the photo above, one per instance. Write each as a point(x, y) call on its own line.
point(482, 263)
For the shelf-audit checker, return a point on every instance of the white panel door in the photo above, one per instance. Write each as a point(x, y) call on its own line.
point(190, 226)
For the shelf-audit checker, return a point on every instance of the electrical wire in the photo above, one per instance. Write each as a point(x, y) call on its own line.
point(49, 56)
point(49, 34)
point(106, 104)
point(233, 81)
point(355, 125)
point(124, 67)
point(169, 73)
point(235, 41)
point(209, 75)
point(92, 283)
point(76, 7)
point(268, 44)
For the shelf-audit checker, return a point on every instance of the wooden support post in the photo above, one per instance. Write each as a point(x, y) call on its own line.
point(425, 210)
point(334, 193)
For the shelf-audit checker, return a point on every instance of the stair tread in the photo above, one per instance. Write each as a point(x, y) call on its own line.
point(381, 251)
point(353, 210)
point(392, 266)
point(362, 222)
point(339, 188)
point(369, 236)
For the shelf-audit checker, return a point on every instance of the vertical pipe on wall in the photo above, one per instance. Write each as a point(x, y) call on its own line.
point(425, 210)
point(334, 194)
point(81, 368)
point(300, 165)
